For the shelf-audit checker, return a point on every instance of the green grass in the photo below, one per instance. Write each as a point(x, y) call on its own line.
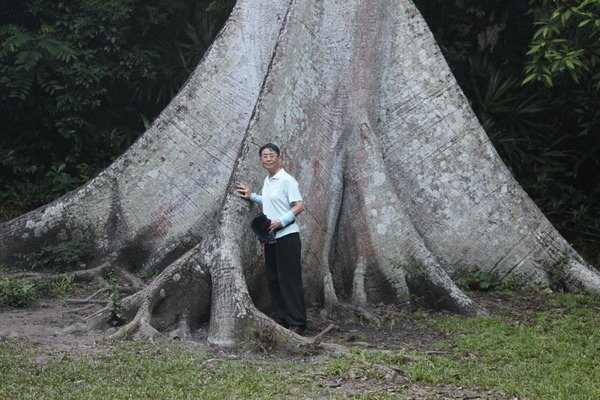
point(549, 354)
point(552, 354)
point(139, 371)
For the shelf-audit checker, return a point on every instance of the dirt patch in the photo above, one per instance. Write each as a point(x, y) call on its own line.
point(393, 329)
point(41, 327)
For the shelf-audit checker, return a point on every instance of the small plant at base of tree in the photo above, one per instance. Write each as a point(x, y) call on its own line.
point(21, 293)
point(556, 274)
point(114, 302)
point(57, 287)
point(485, 282)
point(16, 293)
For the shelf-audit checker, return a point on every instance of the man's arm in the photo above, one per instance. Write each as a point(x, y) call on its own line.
point(297, 207)
point(287, 218)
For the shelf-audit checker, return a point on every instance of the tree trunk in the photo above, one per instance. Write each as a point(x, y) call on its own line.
point(404, 191)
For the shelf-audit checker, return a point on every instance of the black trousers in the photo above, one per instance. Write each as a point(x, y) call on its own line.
point(284, 276)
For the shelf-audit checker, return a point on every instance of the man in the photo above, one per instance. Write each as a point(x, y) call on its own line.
point(281, 202)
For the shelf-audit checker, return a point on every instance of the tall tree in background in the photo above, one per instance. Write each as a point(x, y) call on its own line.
point(404, 190)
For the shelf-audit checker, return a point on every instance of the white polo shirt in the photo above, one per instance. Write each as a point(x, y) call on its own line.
point(278, 192)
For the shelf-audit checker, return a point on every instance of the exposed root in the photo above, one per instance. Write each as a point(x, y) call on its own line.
point(171, 299)
point(131, 282)
point(100, 315)
point(343, 311)
point(277, 336)
point(130, 279)
point(78, 310)
point(140, 328)
point(120, 289)
point(86, 301)
point(359, 294)
point(86, 275)
point(98, 293)
point(330, 298)
point(183, 331)
point(324, 332)
point(95, 321)
point(438, 290)
point(105, 317)
point(580, 278)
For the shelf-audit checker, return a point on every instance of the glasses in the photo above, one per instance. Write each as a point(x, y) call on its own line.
point(267, 156)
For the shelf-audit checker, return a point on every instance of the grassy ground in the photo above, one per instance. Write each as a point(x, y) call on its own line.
point(553, 353)
point(543, 346)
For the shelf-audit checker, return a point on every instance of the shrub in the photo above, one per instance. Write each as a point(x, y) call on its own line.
point(484, 281)
point(16, 293)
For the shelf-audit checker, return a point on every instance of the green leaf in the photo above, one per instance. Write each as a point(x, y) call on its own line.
point(569, 64)
point(566, 16)
point(539, 32)
point(26, 60)
point(529, 78)
point(574, 76)
point(17, 41)
point(535, 48)
point(545, 31)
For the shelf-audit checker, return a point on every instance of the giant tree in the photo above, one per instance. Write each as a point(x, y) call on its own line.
point(404, 191)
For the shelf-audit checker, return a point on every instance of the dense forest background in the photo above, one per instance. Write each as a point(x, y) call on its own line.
point(81, 80)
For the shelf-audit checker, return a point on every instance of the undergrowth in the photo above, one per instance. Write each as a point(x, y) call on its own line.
point(485, 282)
point(16, 293)
point(23, 293)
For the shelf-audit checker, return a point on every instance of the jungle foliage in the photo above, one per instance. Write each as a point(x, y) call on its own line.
point(80, 80)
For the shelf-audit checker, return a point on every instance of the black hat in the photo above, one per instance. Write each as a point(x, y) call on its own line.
point(260, 227)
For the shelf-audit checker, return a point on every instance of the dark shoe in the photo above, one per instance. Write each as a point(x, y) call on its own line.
point(297, 329)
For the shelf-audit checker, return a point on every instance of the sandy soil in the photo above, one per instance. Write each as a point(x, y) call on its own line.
point(41, 327)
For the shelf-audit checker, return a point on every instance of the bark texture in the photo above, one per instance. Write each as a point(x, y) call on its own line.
point(404, 191)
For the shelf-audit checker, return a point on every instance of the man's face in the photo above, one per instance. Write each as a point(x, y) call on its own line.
point(270, 161)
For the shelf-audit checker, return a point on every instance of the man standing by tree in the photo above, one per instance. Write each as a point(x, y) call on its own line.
point(281, 202)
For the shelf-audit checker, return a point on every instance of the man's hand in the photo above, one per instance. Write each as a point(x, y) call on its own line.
point(243, 190)
point(274, 225)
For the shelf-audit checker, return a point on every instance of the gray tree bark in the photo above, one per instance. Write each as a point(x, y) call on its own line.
point(404, 191)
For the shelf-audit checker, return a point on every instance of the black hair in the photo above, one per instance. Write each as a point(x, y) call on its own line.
point(268, 146)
